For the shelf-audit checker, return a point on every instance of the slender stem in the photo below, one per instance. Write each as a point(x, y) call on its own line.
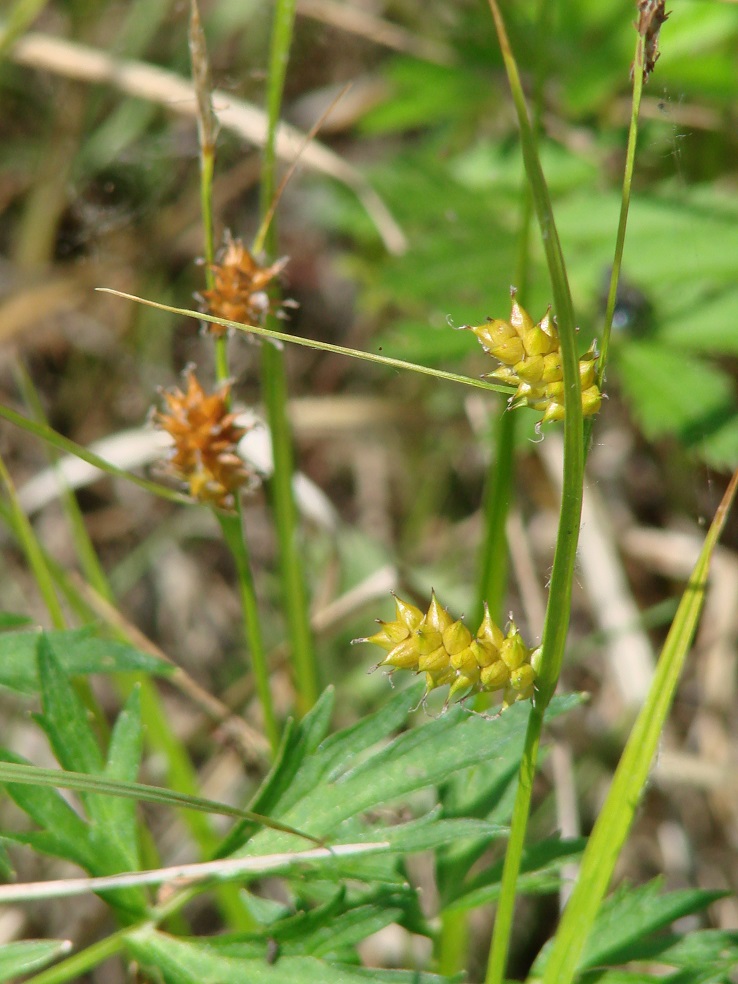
point(624, 207)
point(232, 527)
point(275, 398)
point(312, 343)
point(559, 602)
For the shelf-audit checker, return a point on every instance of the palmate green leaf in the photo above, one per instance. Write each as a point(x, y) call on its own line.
point(699, 974)
point(673, 392)
point(181, 962)
point(473, 793)
point(698, 948)
point(298, 767)
point(18, 959)
point(349, 780)
point(703, 955)
point(324, 930)
point(632, 913)
point(539, 874)
point(79, 652)
point(68, 729)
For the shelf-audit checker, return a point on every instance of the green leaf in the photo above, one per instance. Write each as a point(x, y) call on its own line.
point(616, 816)
point(423, 94)
point(414, 760)
point(305, 758)
point(340, 923)
point(79, 652)
point(673, 392)
point(197, 963)
point(46, 433)
point(31, 775)
point(17, 959)
point(632, 913)
point(9, 620)
point(115, 815)
point(699, 948)
point(65, 717)
point(6, 865)
point(539, 874)
point(65, 833)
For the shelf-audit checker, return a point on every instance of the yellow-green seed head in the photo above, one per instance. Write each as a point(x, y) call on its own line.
point(509, 351)
point(404, 656)
point(495, 332)
point(591, 401)
point(537, 342)
point(408, 614)
point(519, 317)
point(535, 660)
point(427, 639)
point(485, 653)
point(466, 661)
point(523, 678)
point(462, 684)
point(389, 635)
point(494, 676)
point(489, 631)
point(434, 661)
point(513, 651)
point(447, 653)
point(456, 638)
point(531, 370)
point(437, 617)
point(552, 370)
point(440, 679)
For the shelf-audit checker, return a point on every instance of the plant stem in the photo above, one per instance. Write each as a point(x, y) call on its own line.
point(559, 601)
point(233, 531)
point(275, 398)
point(231, 525)
point(624, 207)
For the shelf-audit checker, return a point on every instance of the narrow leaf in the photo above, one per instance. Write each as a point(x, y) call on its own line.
point(24, 774)
point(117, 815)
point(616, 817)
point(17, 959)
point(65, 717)
point(49, 435)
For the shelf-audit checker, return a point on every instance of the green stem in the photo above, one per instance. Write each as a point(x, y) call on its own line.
point(559, 601)
point(624, 208)
point(311, 343)
point(276, 395)
point(232, 527)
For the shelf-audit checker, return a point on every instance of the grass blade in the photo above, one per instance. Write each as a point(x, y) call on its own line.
point(616, 817)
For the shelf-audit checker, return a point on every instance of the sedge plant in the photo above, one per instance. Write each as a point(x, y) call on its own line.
point(318, 816)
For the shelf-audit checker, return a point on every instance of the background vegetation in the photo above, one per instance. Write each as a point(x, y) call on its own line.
point(100, 186)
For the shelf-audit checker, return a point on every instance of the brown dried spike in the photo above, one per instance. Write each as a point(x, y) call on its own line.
point(651, 15)
point(239, 292)
point(205, 436)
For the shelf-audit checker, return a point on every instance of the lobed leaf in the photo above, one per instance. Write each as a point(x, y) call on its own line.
point(79, 652)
